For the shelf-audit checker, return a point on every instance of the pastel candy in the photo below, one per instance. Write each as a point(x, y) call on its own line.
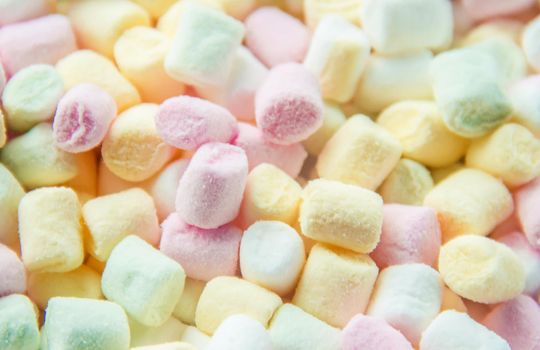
point(288, 106)
point(315, 10)
point(239, 332)
point(340, 160)
point(333, 119)
point(187, 305)
point(480, 10)
point(335, 284)
point(156, 8)
point(163, 187)
point(527, 199)
point(469, 201)
point(42, 40)
point(11, 193)
point(524, 97)
point(337, 56)
point(140, 53)
point(12, 272)
point(167, 346)
point(145, 282)
point(18, 323)
point(371, 333)
point(113, 217)
point(31, 96)
point(189, 122)
point(439, 174)
point(133, 149)
point(50, 230)
point(194, 336)
point(410, 234)
point(141, 335)
point(288, 158)
point(211, 189)
point(20, 10)
point(408, 183)
point(115, 17)
point(169, 22)
point(276, 37)
point(481, 269)
point(78, 323)
point(225, 296)
point(529, 40)
point(86, 66)
point(203, 253)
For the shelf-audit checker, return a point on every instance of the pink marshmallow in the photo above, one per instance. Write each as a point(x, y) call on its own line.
point(12, 272)
point(210, 191)
point(43, 40)
point(276, 37)
point(82, 118)
point(372, 333)
point(410, 234)
point(288, 105)
point(516, 321)
point(527, 202)
point(189, 122)
point(484, 9)
point(204, 254)
point(289, 158)
point(12, 11)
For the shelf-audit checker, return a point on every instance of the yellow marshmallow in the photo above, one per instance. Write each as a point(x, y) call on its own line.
point(167, 346)
point(168, 23)
point(11, 193)
point(133, 149)
point(333, 119)
point(408, 183)
point(141, 335)
point(140, 53)
point(85, 182)
point(3, 131)
point(419, 126)
point(98, 24)
point(481, 269)
point(50, 230)
point(344, 215)
point(225, 296)
point(336, 284)
point(186, 307)
point(469, 202)
point(270, 194)
point(156, 8)
point(81, 283)
point(112, 218)
point(360, 153)
point(85, 66)
point(315, 10)
point(442, 173)
point(452, 301)
point(511, 153)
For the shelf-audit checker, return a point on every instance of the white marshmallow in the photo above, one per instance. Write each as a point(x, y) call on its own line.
point(525, 98)
point(239, 332)
point(195, 337)
point(530, 42)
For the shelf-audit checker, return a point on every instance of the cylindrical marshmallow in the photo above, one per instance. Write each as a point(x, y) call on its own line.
point(12, 272)
point(333, 119)
point(12, 11)
point(163, 187)
point(408, 183)
point(530, 44)
point(371, 333)
point(11, 193)
point(316, 10)
point(527, 201)
point(240, 332)
point(525, 98)
point(19, 323)
point(187, 305)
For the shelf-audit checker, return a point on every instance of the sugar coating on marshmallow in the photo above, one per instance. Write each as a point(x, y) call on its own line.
point(189, 122)
point(163, 187)
point(12, 272)
point(141, 335)
point(50, 230)
point(147, 283)
point(31, 96)
point(11, 193)
point(288, 105)
point(337, 56)
point(20, 10)
point(187, 305)
point(372, 333)
point(526, 199)
point(452, 330)
point(481, 269)
point(18, 323)
point(340, 160)
point(78, 323)
point(211, 189)
point(225, 296)
point(333, 119)
point(240, 332)
point(525, 101)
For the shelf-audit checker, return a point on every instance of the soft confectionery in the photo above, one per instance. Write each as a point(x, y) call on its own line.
point(142, 335)
point(524, 95)
point(12, 272)
point(527, 200)
point(18, 323)
point(239, 332)
point(163, 187)
point(13, 11)
point(333, 119)
point(372, 333)
point(187, 305)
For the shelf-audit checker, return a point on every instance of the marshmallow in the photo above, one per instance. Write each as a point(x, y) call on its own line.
point(77, 323)
point(42, 40)
point(482, 9)
point(527, 201)
point(50, 230)
point(335, 285)
point(12, 272)
point(167, 346)
point(115, 17)
point(452, 301)
point(455, 330)
point(408, 183)
point(529, 43)
point(469, 201)
point(410, 234)
point(187, 305)
point(169, 22)
point(337, 56)
point(225, 296)
point(141, 335)
point(18, 323)
point(163, 187)
point(85, 66)
point(11, 193)
point(145, 282)
point(189, 122)
point(481, 269)
point(333, 119)
point(31, 96)
point(211, 189)
point(530, 258)
point(270, 195)
point(508, 28)
point(239, 332)
point(83, 282)
point(394, 27)
point(371, 333)
point(419, 127)
point(133, 149)
point(289, 158)
point(194, 336)
point(113, 217)
point(156, 8)
point(341, 161)
point(12, 11)
point(439, 174)
point(140, 53)
point(316, 10)
point(189, 59)
point(293, 329)
point(344, 215)
point(526, 103)
point(85, 182)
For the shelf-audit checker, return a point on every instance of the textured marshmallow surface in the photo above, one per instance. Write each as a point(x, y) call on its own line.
point(371, 333)
point(239, 332)
point(530, 45)
point(11, 193)
point(12, 272)
point(18, 323)
point(527, 201)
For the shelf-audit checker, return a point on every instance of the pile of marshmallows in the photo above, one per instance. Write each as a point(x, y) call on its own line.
point(221, 175)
